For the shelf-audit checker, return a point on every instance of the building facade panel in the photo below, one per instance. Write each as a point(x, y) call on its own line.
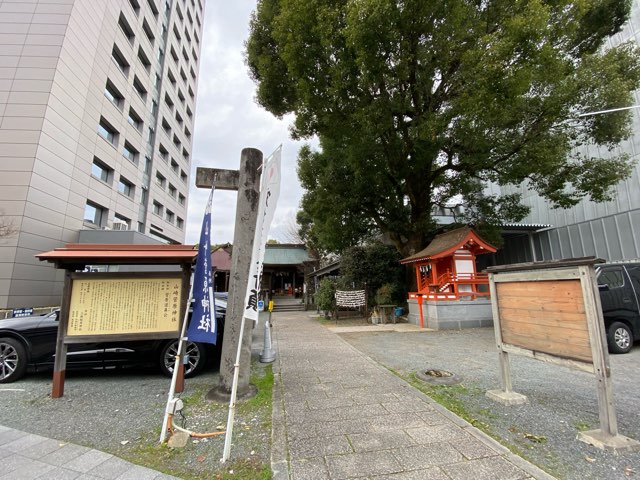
point(88, 85)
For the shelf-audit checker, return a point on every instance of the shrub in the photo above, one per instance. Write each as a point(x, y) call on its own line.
point(326, 295)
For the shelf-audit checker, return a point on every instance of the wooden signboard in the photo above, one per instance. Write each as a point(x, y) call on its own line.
point(124, 305)
point(99, 307)
point(551, 311)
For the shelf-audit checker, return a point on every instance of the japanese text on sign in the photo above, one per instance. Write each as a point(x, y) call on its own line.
point(124, 305)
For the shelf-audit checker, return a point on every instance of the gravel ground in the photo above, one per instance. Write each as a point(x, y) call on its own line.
point(121, 411)
point(561, 401)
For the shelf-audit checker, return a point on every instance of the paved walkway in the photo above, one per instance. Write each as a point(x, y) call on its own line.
point(339, 415)
point(27, 456)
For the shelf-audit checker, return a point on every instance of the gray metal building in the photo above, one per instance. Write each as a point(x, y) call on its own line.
point(97, 108)
point(607, 230)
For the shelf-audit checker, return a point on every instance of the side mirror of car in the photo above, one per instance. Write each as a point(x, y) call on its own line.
point(603, 288)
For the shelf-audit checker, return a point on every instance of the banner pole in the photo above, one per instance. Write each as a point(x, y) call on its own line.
point(232, 401)
point(174, 377)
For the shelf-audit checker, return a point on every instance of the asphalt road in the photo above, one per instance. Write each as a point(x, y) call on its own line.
point(561, 401)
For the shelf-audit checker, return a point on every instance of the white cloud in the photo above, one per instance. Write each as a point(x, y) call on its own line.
point(228, 120)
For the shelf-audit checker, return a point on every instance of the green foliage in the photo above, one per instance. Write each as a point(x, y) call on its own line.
point(421, 103)
point(385, 294)
point(376, 265)
point(325, 296)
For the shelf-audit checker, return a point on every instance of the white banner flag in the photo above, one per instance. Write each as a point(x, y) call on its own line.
point(269, 193)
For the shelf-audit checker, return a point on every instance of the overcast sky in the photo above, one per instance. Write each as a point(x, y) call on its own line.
point(228, 120)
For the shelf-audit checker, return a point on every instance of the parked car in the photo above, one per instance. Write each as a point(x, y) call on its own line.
point(29, 343)
point(619, 286)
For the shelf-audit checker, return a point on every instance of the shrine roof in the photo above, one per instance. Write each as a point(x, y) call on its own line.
point(93, 253)
point(286, 254)
point(447, 243)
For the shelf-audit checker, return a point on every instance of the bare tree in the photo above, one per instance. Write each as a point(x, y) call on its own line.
point(291, 233)
point(7, 226)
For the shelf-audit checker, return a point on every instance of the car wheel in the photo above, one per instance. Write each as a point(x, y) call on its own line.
point(619, 337)
point(13, 360)
point(197, 358)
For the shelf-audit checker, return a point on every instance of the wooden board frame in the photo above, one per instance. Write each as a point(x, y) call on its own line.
point(581, 270)
point(62, 340)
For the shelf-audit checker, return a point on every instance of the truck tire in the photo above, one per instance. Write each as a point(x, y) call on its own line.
point(619, 338)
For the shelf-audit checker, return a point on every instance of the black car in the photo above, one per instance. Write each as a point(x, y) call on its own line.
point(29, 343)
point(619, 286)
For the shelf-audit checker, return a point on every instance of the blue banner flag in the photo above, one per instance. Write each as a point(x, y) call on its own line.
point(202, 327)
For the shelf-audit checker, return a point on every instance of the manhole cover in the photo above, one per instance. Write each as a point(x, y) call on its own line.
point(438, 377)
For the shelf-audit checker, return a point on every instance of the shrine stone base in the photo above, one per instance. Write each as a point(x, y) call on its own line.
point(452, 314)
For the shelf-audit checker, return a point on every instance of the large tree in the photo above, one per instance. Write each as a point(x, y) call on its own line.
point(420, 103)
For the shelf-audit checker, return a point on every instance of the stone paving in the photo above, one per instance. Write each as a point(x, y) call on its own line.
point(27, 456)
point(338, 415)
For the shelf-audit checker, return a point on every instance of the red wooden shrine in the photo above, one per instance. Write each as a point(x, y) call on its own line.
point(446, 269)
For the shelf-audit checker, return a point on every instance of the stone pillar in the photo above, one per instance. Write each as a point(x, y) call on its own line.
point(245, 226)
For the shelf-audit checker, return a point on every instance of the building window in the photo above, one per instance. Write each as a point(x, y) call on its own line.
point(101, 171)
point(166, 127)
point(176, 141)
point(183, 176)
point(135, 5)
point(147, 165)
point(173, 191)
point(151, 135)
point(182, 199)
point(106, 131)
point(121, 223)
point(158, 208)
point(114, 96)
point(175, 167)
point(185, 155)
point(134, 119)
point(180, 223)
point(144, 59)
point(169, 102)
point(171, 77)
point(126, 28)
point(119, 59)
point(125, 187)
point(178, 118)
point(94, 214)
point(181, 96)
point(164, 154)
point(161, 180)
point(170, 216)
point(174, 55)
point(129, 152)
point(187, 133)
point(189, 113)
point(153, 7)
point(144, 196)
point(148, 31)
point(140, 90)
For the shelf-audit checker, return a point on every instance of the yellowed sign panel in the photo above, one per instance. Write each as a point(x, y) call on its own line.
point(124, 305)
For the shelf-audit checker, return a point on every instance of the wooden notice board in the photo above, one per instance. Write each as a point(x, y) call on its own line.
point(545, 316)
point(551, 311)
point(124, 305)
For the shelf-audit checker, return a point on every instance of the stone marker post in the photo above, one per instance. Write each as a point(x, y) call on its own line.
point(247, 182)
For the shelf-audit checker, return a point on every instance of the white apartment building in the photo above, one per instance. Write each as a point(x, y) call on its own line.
point(97, 109)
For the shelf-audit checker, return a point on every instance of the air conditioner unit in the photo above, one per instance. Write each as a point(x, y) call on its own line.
point(119, 225)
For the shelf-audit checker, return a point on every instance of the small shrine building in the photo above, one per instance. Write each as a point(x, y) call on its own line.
point(447, 281)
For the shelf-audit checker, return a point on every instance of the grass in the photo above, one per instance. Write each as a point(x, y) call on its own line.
point(452, 397)
point(200, 460)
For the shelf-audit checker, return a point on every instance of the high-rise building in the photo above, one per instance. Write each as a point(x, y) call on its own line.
point(97, 105)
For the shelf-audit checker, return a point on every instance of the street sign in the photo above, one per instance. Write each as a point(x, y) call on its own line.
point(261, 305)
